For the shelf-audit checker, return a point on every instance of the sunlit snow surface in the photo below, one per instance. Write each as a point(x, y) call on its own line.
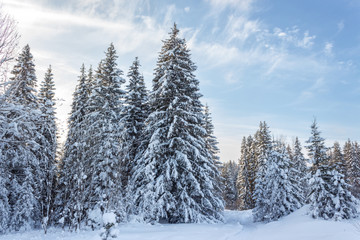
point(239, 225)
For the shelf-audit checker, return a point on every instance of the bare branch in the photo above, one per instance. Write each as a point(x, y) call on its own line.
point(9, 40)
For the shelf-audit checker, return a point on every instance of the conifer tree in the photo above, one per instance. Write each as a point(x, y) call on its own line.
point(246, 177)
point(344, 203)
point(263, 153)
point(251, 151)
point(70, 201)
point(320, 197)
point(133, 118)
point(337, 159)
point(175, 174)
point(280, 195)
point(299, 170)
point(48, 144)
point(352, 163)
point(348, 151)
point(211, 140)
point(23, 82)
point(230, 171)
point(211, 145)
point(355, 171)
point(103, 121)
point(329, 194)
point(21, 149)
point(316, 149)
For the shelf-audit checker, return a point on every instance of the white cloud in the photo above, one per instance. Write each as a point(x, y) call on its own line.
point(328, 48)
point(241, 28)
point(187, 9)
point(307, 40)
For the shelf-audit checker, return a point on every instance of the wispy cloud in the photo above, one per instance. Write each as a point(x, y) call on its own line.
point(328, 48)
point(240, 5)
point(241, 28)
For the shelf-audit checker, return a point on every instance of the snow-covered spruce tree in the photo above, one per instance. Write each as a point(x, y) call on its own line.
point(246, 180)
point(355, 169)
point(229, 173)
point(344, 201)
point(330, 197)
point(280, 194)
point(103, 133)
point(211, 141)
point(134, 114)
point(21, 150)
point(17, 161)
point(211, 145)
point(299, 172)
point(48, 144)
point(352, 161)
point(316, 149)
point(70, 200)
point(337, 159)
point(23, 82)
point(319, 183)
point(348, 152)
point(175, 173)
point(263, 152)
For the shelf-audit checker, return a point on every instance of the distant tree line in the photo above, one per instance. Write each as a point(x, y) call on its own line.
point(275, 179)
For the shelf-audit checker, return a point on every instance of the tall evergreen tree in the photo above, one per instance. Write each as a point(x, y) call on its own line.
point(246, 177)
point(133, 118)
point(176, 175)
point(320, 196)
point(70, 201)
point(212, 147)
point(299, 174)
point(48, 144)
point(21, 149)
point(263, 153)
point(352, 163)
point(348, 151)
point(103, 121)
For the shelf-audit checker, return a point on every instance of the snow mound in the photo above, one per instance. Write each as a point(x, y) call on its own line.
point(109, 218)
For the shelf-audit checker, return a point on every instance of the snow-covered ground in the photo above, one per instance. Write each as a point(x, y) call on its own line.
point(239, 225)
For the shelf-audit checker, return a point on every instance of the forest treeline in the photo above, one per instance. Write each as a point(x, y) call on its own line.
point(271, 174)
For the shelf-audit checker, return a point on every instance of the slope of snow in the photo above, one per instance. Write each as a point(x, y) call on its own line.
point(239, 225)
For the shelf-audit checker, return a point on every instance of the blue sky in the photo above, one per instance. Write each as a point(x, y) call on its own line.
point(283, 62)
